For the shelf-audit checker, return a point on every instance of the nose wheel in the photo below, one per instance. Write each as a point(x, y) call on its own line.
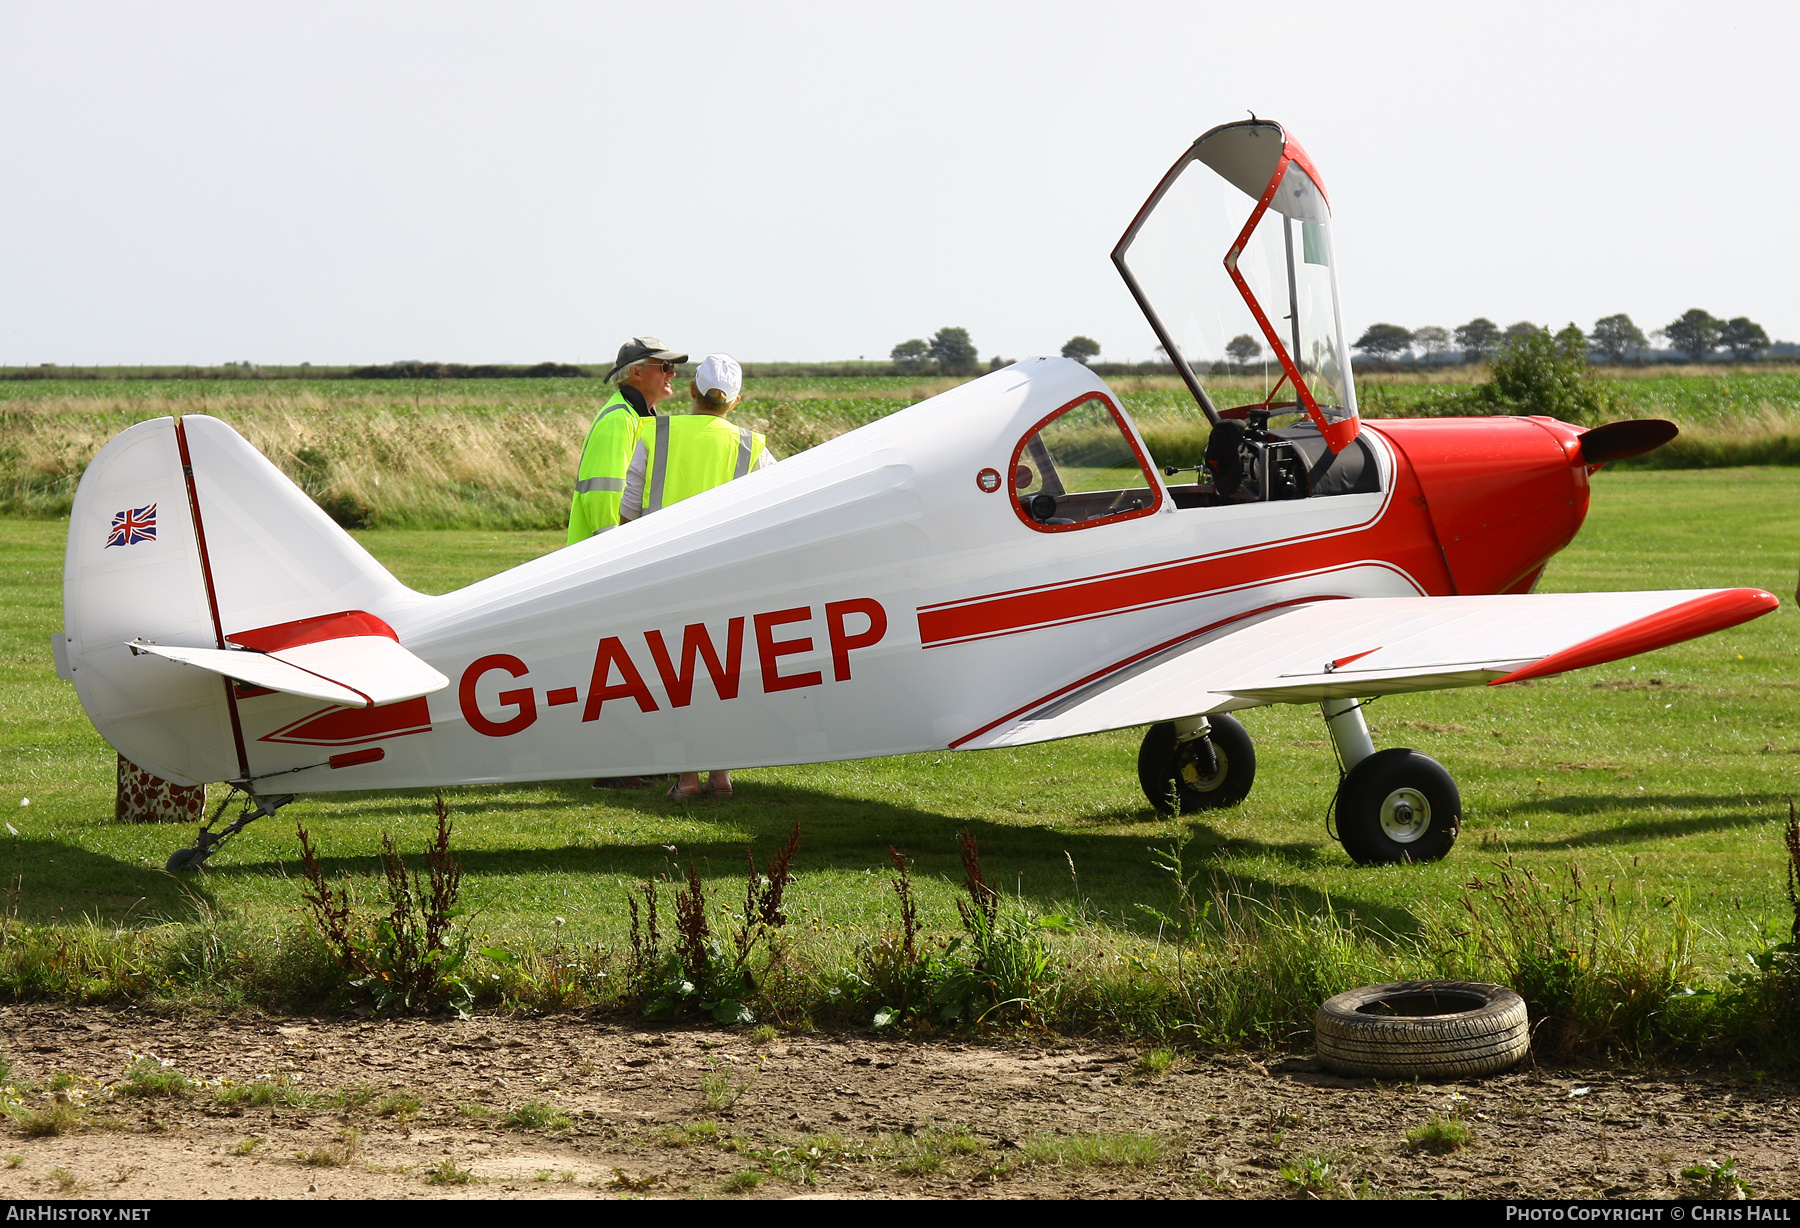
point(1206, 771)
point(1398, 805)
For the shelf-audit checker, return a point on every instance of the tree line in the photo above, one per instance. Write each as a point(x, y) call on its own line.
point(1696, 334)
point(951, 352)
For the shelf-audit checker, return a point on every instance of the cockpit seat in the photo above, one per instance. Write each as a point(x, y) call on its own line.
point(1350, 472)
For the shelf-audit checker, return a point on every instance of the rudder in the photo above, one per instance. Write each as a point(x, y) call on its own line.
point(183, 534)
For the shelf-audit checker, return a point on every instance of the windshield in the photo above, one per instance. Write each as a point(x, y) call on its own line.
point(1232, 261)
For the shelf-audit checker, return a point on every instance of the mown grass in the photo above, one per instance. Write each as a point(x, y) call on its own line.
point(499, 453)
point(1665, 779)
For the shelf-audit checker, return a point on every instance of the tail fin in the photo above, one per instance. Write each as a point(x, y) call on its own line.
point(182, 534)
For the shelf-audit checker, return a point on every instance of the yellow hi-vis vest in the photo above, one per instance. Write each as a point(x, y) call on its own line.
point(684, 456)
point(600, 478)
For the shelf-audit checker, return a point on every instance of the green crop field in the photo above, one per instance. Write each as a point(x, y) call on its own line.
point(499, 453)
point(1668, 775)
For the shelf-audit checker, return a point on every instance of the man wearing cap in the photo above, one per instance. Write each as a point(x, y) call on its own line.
point(645, 375)
point(677, 458)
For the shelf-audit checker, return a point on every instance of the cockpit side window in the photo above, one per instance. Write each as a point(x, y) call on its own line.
point(1080, 467)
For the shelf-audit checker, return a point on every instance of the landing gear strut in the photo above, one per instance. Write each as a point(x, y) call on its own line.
point(208, 841)
point(1392, 805)
point(1198, 763)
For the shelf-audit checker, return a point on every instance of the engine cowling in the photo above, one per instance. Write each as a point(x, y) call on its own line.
point(1504, 494)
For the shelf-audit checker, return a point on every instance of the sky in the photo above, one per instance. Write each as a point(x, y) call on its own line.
point(370, 182)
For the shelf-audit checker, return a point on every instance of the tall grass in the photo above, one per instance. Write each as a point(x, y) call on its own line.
point(1603, 977)
point(454, 460)
point(1598, 973)
point(500, 454)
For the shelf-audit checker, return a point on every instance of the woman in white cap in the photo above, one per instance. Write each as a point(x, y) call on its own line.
point(678, 458)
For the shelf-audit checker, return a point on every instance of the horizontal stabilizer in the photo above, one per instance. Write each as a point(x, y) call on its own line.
point(358, 671)
point(1359, 648)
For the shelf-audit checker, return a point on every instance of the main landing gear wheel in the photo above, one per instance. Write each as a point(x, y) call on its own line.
point(1398, 805)
point(1205, 773)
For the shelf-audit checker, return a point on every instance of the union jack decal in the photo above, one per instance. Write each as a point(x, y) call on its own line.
point(130, 527)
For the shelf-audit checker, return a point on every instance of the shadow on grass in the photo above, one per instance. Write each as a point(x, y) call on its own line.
point(1729, 813)
point(840, 834)
point(64, 883)
point(1586, 804)
point(1644, 830)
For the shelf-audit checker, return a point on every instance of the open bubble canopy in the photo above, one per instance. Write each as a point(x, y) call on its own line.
point(1274, 312)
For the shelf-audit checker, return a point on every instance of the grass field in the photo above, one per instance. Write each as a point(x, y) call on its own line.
point(498, 453)
point(1668, 775)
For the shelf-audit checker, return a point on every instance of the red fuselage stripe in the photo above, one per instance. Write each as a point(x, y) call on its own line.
point(1024, 611)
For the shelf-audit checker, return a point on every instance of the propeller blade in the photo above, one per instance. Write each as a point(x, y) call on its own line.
point(1618, 440)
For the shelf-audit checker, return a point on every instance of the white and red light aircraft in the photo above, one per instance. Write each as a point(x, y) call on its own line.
point(998, 565)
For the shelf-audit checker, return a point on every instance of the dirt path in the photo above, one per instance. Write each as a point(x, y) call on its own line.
point(849, 1115)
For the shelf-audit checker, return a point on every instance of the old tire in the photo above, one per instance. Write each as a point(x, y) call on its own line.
point(1173, 780)
point(1423, 1030)
point(1398, 805)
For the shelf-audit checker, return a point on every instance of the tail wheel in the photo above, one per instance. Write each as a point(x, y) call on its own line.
point(1398, 805)
point(1205, 773)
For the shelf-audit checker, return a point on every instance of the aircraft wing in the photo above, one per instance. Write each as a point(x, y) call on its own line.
point(357, 671)
point(1363, 647)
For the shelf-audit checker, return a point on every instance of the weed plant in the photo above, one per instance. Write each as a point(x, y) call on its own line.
point(335, 1154)
point(277, 1092)
point(447, 1173)
point(1716, 1180)
point(1096, 1150)
point(536, 1115)
point(1760, 1007)
point(411, 959)
point(800, 1162)
point(1157, 1062)
point(401, 1106)
point(1000, 969)
point(355, 1098)
point(691, 1134)
point(150, 1077)
point(926, 1152)
point(58, 1116)
point(698, 971)
point(720, 1088)
point(1440, 1135)
point(1314, 1177)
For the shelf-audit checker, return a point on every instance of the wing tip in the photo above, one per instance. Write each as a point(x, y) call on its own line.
point(1703, 615)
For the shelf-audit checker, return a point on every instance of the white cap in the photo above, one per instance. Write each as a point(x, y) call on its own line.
point(720, 373)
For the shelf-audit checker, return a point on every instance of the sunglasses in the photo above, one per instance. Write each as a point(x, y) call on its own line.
point(660, 364)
